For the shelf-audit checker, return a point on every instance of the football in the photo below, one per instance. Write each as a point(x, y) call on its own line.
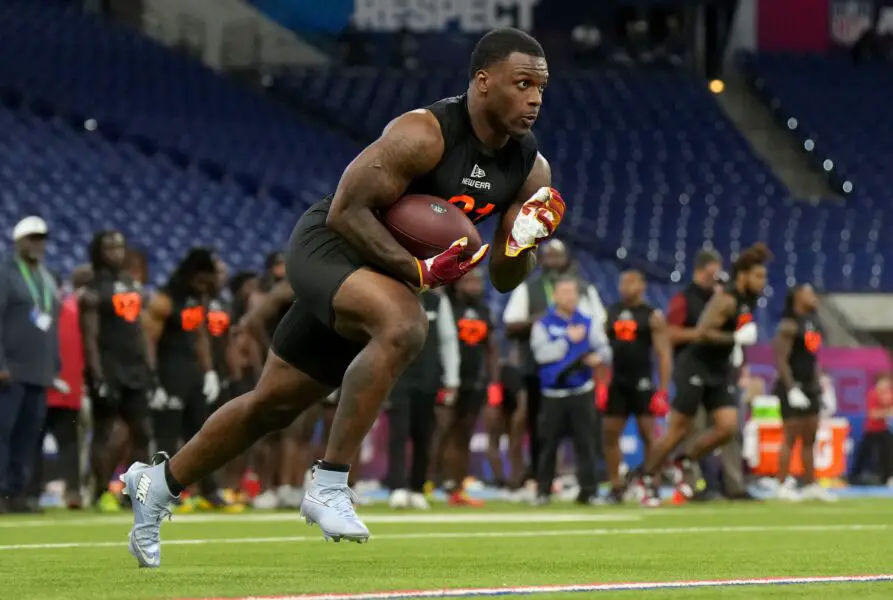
point(427, 225)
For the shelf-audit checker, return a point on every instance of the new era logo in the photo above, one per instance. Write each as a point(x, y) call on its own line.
point(475, 180)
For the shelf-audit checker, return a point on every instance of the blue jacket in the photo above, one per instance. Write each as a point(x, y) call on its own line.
point(559, 358)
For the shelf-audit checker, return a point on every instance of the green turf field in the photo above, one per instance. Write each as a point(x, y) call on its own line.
point(84, 556)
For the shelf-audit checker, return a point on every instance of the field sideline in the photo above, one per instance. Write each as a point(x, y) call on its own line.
point(723, 550)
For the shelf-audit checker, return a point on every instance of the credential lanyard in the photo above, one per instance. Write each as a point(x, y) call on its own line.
point(47, 295)
point(548, 288)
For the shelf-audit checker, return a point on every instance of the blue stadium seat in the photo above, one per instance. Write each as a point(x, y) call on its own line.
point(81, 182)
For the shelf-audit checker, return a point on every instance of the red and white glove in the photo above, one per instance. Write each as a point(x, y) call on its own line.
point(659, 405)
point(536, 221)
point(448, 266)
point(601, 397)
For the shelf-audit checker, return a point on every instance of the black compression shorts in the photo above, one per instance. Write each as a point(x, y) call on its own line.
point(470, 401)
point(124, 402)
point(317, 262)
point(628, 399)
point(697, 385)
point(512, 385)
point(813, 392)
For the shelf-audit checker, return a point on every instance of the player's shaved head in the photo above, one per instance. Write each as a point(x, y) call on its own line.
point(632, 286)
point(497, 45)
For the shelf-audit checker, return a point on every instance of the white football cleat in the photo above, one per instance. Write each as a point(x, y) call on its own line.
point(150, 499)
point(267, 500)
point(399, 499)
point(816, 492)
point(417, 501)
point(788, 493)
point(329, 503)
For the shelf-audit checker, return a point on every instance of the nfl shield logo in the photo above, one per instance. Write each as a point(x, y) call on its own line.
point(850, 19)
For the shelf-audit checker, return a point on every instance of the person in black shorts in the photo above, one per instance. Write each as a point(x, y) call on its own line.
point(432, 375)
point(219, 323)
point(635, 329)
point(797, 342)
point(478, 375)
point(506, 414)
point(118, 371)
point(293, 443)
point(704, 374)
point(265, 309)
point(247, 360)
point(243, 364)
point(177, 326)
point(224, 349)
point(358, 322)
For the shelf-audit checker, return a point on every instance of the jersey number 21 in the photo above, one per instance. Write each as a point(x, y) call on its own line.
point(467, 204)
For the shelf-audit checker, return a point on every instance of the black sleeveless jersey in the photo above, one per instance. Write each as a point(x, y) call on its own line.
point(177, 358)
point(695, 299)
point(219, 321)
point(474, 326)
point(804, 352)
point(629, 331)
point(121, 344)
point(479, 180)
point(716, 356)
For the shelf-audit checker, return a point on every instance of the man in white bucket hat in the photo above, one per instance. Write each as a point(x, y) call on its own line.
point(29, 358)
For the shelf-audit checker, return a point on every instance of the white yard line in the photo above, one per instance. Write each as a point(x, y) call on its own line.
point(292, 517)
point(479, 534)
point(587, 587)
point(608, 515)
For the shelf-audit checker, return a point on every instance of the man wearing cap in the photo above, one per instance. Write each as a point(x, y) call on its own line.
point(530, 301)
point(29, 357)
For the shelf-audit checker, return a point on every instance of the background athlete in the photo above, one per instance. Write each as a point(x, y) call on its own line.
point(117, 362)
point(797, 343)
point(358, 321)
point(289, 449)
point(704, 372)
point(176, 324)
point(634, 329)
point(479, 376)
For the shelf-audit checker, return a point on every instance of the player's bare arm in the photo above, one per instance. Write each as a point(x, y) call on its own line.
point(660, 339)
point(784, 344)
point(410, 146)
point(264, 309)
point(506, 272)
point(153, 318)
point(718, 310)
point(88, 309)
